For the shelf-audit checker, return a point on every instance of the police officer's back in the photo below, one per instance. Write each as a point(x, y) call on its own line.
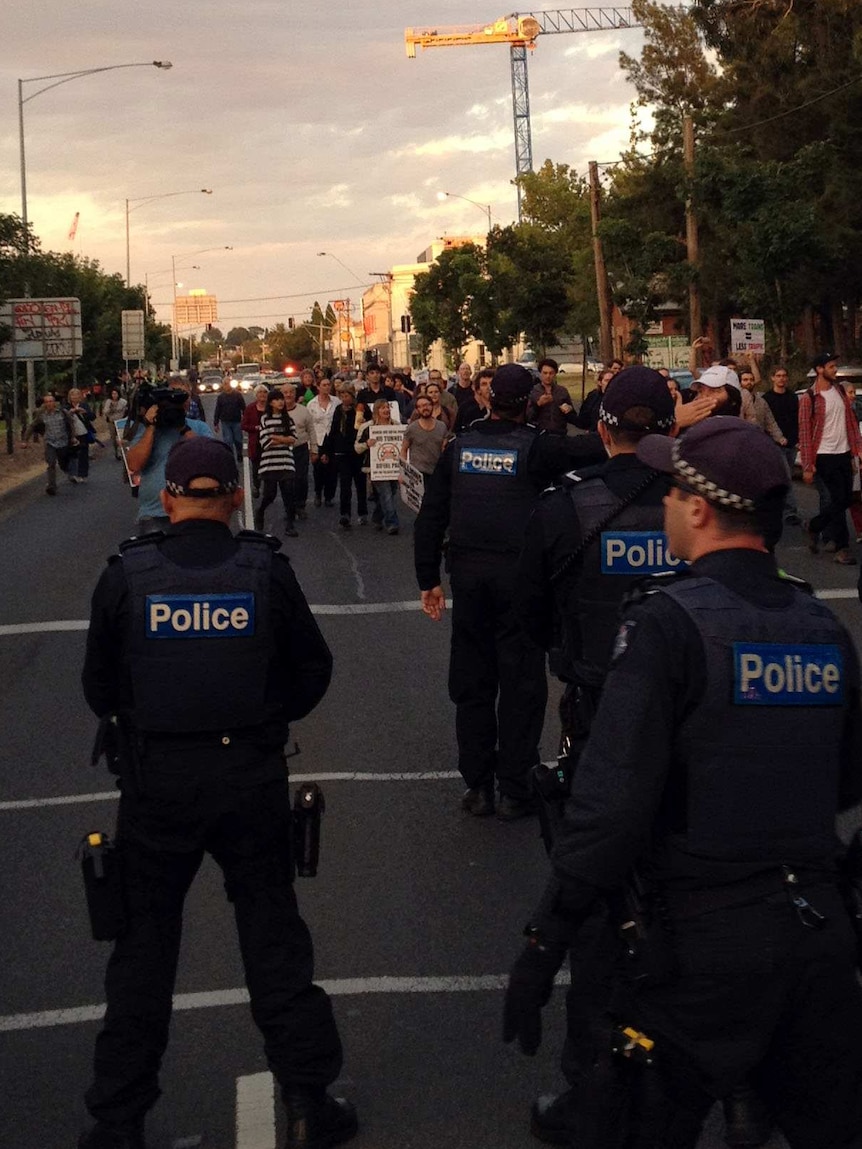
point(590, 539)
point(203, 647)
point(726, 740)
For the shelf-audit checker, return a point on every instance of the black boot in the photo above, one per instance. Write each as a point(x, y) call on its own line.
point(746, 1120)
point(110, 1137)
point(551, 1118)
point(317, 1121)
point(478, 801)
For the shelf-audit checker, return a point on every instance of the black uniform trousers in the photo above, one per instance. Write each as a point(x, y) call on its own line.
point(759, 996)
point(195, 799)
point(496, 677)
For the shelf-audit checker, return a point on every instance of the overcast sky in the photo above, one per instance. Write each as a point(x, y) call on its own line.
point(308, 121)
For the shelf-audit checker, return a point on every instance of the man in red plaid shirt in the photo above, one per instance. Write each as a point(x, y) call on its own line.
point(829, 440)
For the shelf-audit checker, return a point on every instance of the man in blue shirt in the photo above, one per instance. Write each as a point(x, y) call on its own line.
point(162, 424)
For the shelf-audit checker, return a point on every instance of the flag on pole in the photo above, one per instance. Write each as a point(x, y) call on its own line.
point(73, 230)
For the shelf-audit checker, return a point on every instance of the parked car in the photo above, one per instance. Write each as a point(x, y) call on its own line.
point(683, 376)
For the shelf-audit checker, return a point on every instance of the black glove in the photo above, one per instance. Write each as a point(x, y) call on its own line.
point(529, 991)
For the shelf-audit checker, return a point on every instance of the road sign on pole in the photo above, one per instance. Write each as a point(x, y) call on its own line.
point(132, 325)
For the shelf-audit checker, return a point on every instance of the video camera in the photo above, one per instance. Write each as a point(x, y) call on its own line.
point(169, 400)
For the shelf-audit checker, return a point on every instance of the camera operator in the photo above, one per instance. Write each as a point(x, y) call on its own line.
point(162, 422)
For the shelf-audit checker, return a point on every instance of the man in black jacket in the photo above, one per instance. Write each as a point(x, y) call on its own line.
point(202, 649)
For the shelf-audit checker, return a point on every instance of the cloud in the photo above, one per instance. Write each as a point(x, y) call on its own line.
point(456, 144)
point(336, 196)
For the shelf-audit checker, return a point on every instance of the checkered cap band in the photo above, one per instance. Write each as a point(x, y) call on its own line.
point(704, 486)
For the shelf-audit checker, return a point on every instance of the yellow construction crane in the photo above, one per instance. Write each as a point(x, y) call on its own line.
point(509, 30)
point(520, 31)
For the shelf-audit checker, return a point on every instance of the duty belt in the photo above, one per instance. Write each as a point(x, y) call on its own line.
point(684, 904)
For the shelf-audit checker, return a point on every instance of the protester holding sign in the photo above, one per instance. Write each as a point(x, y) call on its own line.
point(379, 443)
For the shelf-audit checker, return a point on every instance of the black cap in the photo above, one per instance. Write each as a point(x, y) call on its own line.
point(200, 458)
point(824, 358)
point(724, 459)
point(638, 387)
point(511, 385)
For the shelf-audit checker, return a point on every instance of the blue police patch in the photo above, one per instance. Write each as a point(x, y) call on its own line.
point(637, 553)
point(487, 461)
point(779, 674)
point(200, 615)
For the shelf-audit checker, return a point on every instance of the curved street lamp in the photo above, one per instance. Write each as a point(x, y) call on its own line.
point(344, 265)
point(59, 78)
point(485, 207)
point(139, 202)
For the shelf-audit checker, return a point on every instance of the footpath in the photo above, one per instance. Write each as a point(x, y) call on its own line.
point(26, 463)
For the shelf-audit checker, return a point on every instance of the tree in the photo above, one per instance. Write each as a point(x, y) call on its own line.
point(299, 345)
point(442, 297)
point(557, 199)
point(532, 275)
point(237, 336)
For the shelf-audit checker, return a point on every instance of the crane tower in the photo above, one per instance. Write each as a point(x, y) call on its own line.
point(520, 31)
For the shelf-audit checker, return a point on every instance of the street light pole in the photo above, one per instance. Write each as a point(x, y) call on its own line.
point(60, 78)
point(485, 207)
point(148, 199)
point(57, 78)
point(344, 265)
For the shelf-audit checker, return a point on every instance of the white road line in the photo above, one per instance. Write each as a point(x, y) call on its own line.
point(214, 999)
point(71, 624)
point(333, 776)
point(326, 608)
point(255, 1111)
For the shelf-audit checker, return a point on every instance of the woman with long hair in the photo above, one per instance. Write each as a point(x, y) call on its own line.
point(385, 513)
point(276, 470)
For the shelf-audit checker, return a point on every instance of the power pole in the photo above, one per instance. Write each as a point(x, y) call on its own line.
point(602, 289)
point(691, 237)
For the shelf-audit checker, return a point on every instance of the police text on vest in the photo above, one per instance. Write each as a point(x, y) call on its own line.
point(200, 615)
point(489, 461)
point(775, 674)
point(637, 553)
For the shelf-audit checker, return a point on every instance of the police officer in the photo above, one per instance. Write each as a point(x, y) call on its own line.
point(203, 646)
point(483, 490)
point(590, 539)
point(588, 542)
point(726, 739)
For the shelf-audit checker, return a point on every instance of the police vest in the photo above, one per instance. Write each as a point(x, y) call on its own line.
point(632, 546)
point(492, 493)
point(200, 639)
point(761, 753)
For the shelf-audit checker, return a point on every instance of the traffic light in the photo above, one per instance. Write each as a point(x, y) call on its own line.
point(291, 323)
point(405, 324)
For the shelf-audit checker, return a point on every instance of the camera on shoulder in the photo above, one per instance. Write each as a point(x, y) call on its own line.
point(171, 404)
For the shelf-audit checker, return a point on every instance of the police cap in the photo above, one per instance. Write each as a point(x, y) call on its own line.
point(724, 459)
point(638, 387)
point(511, 385)
point(200, 458)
